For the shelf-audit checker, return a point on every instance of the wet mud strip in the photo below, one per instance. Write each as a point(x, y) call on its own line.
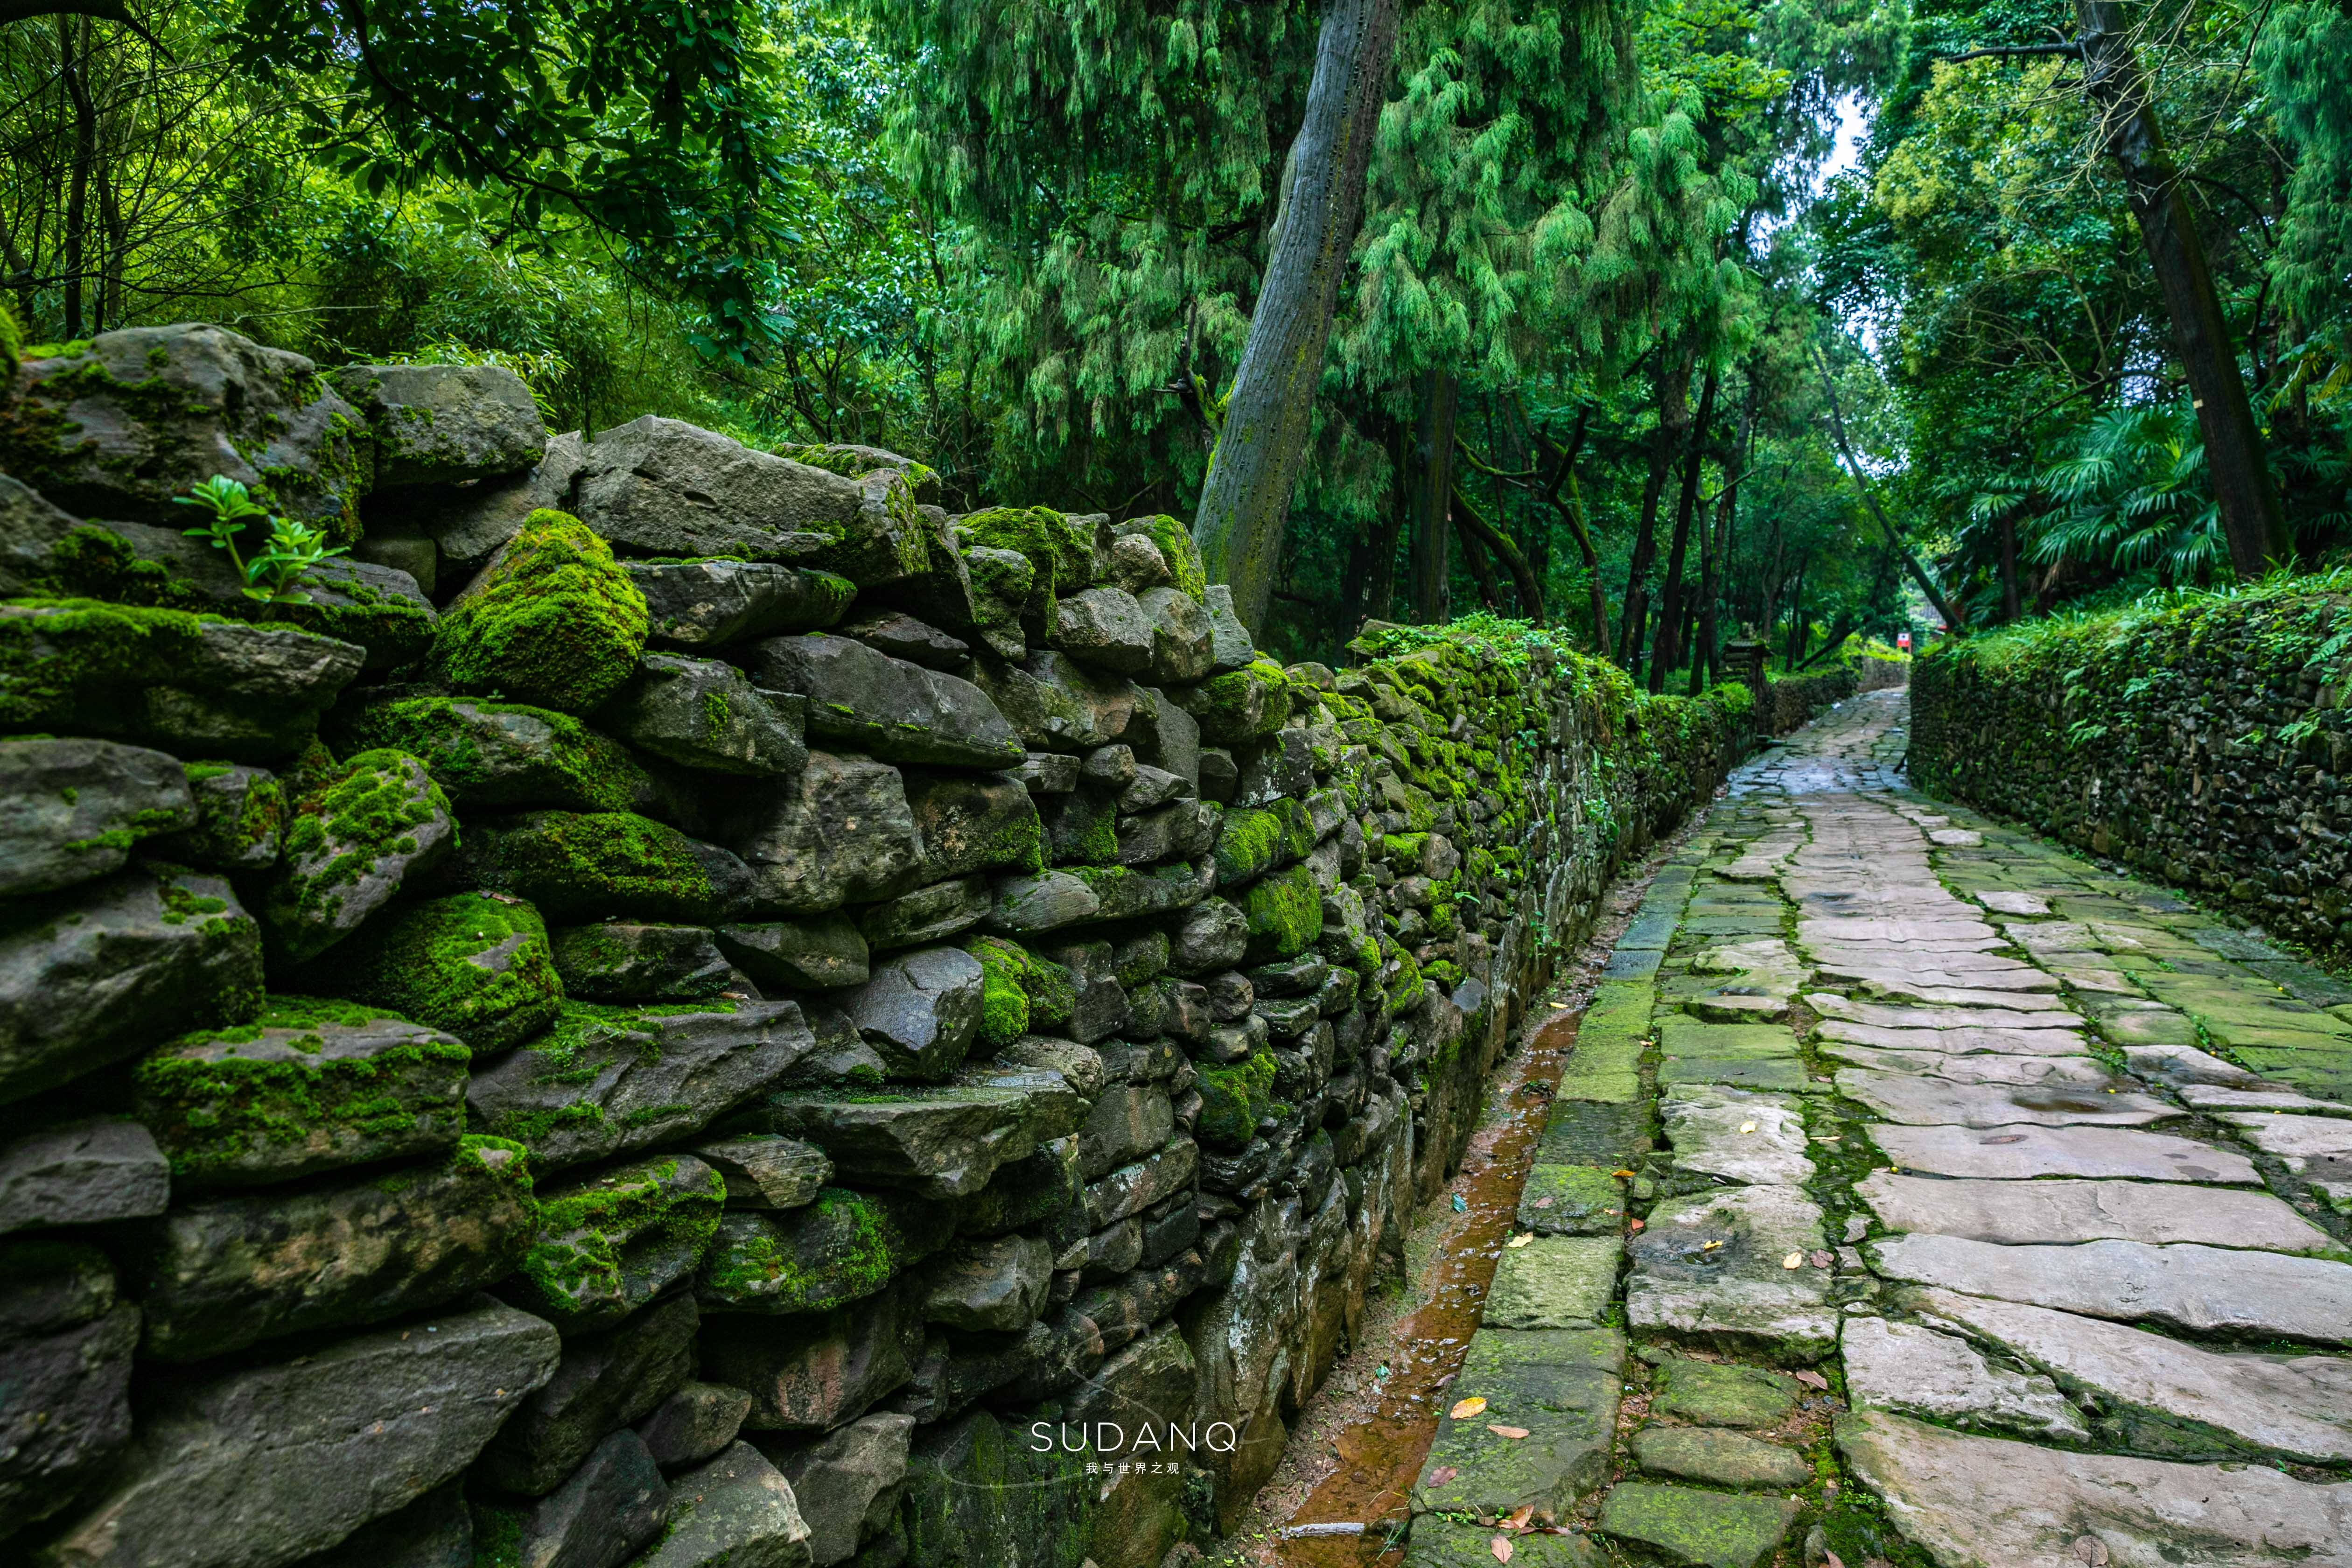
point(1340, 1498)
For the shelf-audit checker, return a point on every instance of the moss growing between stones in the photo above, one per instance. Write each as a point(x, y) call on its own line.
point(292, 1104)
point(1235, 1099)
point(1060, 554)
point(1253, 840)
point(1005, 1010)
point(1242, 705)
point(554, 620)
point(1284, 915)
point(475, 966)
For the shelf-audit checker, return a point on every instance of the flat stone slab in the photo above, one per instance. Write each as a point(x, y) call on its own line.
point(1739, 1072)
point(1965, 992)
point(1438, 1541)
point(2083, 1072)
point(1723, 1394)
point(1561, 1387)
point(1690, 1037)
point(1708, 1528)
point(2020, 1153)
point(1758, 1139)
point(1571, 1200)
point(1916, 976)
point(1915, 1370)
point(2187, 1065)
point(1736, 1293)
point(2296, 1406)
point(2053, 1213)
point(1830, 1004)
point(1982, 1502)
point(1554, 1282)
point(2014, 903)
point(1720, 1458)
point(2294, 1138)
point(1821, 930)
point(1605, 1133)
point(1932, 1102)
point(1957, 1042)
point(2217, 1097)
point(2201, 1289)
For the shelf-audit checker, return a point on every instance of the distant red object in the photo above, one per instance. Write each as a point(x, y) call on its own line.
point(1903, 641)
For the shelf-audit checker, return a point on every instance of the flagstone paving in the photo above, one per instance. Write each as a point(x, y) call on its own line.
point(1998, 1200)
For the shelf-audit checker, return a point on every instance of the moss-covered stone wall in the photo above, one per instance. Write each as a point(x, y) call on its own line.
point(2202, 741)
point(682, 1004)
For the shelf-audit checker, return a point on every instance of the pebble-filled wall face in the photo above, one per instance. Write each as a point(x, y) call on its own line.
point(680, 1000)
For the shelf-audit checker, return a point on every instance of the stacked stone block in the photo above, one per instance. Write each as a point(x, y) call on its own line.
point(685, 1003)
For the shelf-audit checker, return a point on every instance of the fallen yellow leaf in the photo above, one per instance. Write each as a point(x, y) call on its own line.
point(1521, 1239)
point(1747, 1127)
point(1794, 1260)
point(1465, 1409)
point(1621, 1175)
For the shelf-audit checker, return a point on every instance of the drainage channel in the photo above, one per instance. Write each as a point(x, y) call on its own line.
point(1342, 1498)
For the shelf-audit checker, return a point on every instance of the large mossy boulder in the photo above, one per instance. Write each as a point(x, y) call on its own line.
point(552, 620)
point(1060, 550)
point(220, 1274)
point(485, 753)
point(193, 684)
point(120, 424)
point(476, 965)
point(73, 809)
point(439, 423)
point(845, 1245)
point(309, 1086)
point(585, 866)
point(91, 975)
point(351, 840)
point(608, 1243)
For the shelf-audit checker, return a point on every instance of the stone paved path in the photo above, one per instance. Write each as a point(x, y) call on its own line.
point(1938, 1197)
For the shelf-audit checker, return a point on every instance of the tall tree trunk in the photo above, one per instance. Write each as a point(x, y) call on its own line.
point(1378, 539)
point(2130, 133)
point(72, 62)
point(1673, 414)
point(1667, 655)
point(2009, 607)
point(1482, 571)
point(1579, 528)
point(1523, 585)
point(1718, 543)
point(1246, 497)
point(1380, 595)
point(1433, 491)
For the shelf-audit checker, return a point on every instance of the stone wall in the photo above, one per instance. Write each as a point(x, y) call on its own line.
point(1793, 700)
point(677, 1002)
point(2203, 743)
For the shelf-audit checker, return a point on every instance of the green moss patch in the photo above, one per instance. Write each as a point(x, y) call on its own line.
point(554, 621)
point(475, 966)
point(1234, 1099)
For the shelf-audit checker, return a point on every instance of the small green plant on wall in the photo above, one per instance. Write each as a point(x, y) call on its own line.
point(288, 553)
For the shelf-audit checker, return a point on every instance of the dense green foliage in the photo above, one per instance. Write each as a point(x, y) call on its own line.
point(1574, 375)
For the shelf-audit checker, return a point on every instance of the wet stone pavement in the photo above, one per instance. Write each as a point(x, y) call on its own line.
point(1916, 1192)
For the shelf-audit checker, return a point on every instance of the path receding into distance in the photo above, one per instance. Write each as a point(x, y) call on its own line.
point(2016, 1185)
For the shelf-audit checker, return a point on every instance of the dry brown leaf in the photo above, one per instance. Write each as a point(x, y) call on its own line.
point(1543, 1202)
point(1465, 1409)
point(1501, 1547)
point(1831, 1559)
point(1513, 1433)
point(1633, 1225)
point(1443, 1474)
point(1812, 1380)
point(2091, 1550)
point(1518, 1519)
point(1822, 1259)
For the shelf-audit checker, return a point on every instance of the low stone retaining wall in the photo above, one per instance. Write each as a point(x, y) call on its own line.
point(1795, 699)
point(2204, 742)
point(681, 1005)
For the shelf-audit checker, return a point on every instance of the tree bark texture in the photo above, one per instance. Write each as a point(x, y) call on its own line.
point(1431, 568)
point(1673, 417)
point(1718, 543)
point(1666, 656)
point(1525, 586)
point(2130, 133)
point(1246, 497)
